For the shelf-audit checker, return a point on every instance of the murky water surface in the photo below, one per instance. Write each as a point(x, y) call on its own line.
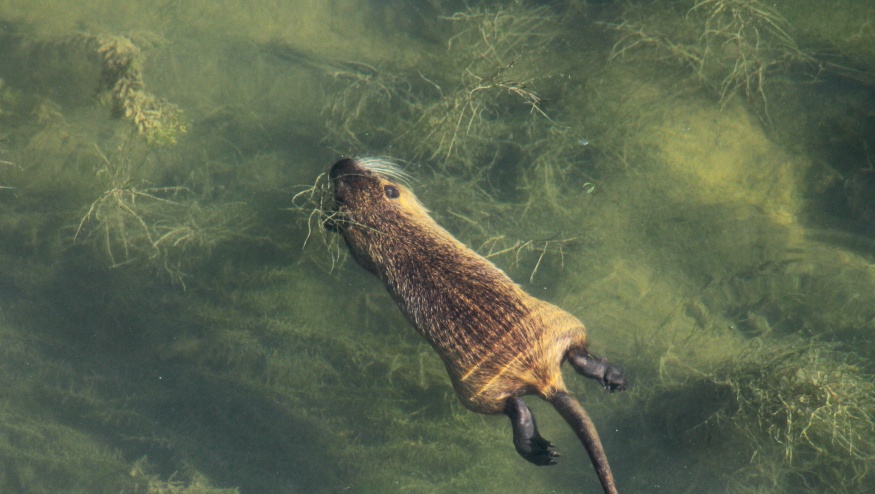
point(695, 180)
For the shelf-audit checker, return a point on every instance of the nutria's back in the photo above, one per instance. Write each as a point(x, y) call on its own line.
point(490, 334)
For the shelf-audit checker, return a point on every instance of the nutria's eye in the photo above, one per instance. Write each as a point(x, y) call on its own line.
point(392, 192)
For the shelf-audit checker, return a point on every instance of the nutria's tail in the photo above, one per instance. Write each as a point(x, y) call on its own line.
point(579, 420)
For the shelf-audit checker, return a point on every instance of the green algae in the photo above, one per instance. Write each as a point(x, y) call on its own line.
point(639, 191)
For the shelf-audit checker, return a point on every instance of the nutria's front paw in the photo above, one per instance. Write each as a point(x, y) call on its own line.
point(615, 379)
point(612, 377)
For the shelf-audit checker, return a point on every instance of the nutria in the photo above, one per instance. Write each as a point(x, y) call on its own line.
point(497, 342)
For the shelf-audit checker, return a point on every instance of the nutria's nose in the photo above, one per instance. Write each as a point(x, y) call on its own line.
point(342, 167)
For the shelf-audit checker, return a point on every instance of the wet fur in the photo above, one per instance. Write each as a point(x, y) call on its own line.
point(497, 342)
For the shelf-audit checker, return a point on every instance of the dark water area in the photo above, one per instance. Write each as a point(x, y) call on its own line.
point(695, 180)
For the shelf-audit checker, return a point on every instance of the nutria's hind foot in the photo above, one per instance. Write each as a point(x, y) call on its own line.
point(612, 377)
point(526, 439)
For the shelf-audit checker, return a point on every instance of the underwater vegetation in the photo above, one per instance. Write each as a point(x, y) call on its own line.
point(135, 222)
point(478, 112)
point(733, 46)
point(157, 120)
point(131, 217)
point(121, 83)
point(810, 400)
point(692, 178)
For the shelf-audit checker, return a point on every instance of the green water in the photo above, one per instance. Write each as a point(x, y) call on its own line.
point(694, 180)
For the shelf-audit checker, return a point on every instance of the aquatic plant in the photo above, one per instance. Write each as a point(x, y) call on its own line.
point(157, 120)
point(807, 397)
point(121, 83)
point(121, 208)
point(316, 201)
point(8, 99)
point(459, 114)
point(135, 221)
point(177, 483)
point(734, 46)
point(813, 402)
point(497, 70)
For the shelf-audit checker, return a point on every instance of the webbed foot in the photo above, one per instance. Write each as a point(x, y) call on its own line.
point(526, 439)
point(612, 377)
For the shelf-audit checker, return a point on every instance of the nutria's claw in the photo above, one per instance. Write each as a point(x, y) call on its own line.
point(537, 451)
point(615, 379)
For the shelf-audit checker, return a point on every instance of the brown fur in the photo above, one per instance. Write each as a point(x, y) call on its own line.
point(496, 341)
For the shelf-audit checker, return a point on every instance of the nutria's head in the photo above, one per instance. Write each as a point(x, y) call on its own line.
point(375, 211)
point(371, 193)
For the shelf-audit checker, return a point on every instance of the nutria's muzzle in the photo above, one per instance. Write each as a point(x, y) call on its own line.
point(347, 177)
point(342, 167)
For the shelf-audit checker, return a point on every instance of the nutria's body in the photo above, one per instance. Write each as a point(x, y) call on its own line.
point(497, 342)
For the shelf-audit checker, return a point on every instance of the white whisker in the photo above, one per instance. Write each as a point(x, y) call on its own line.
point(386, 169)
